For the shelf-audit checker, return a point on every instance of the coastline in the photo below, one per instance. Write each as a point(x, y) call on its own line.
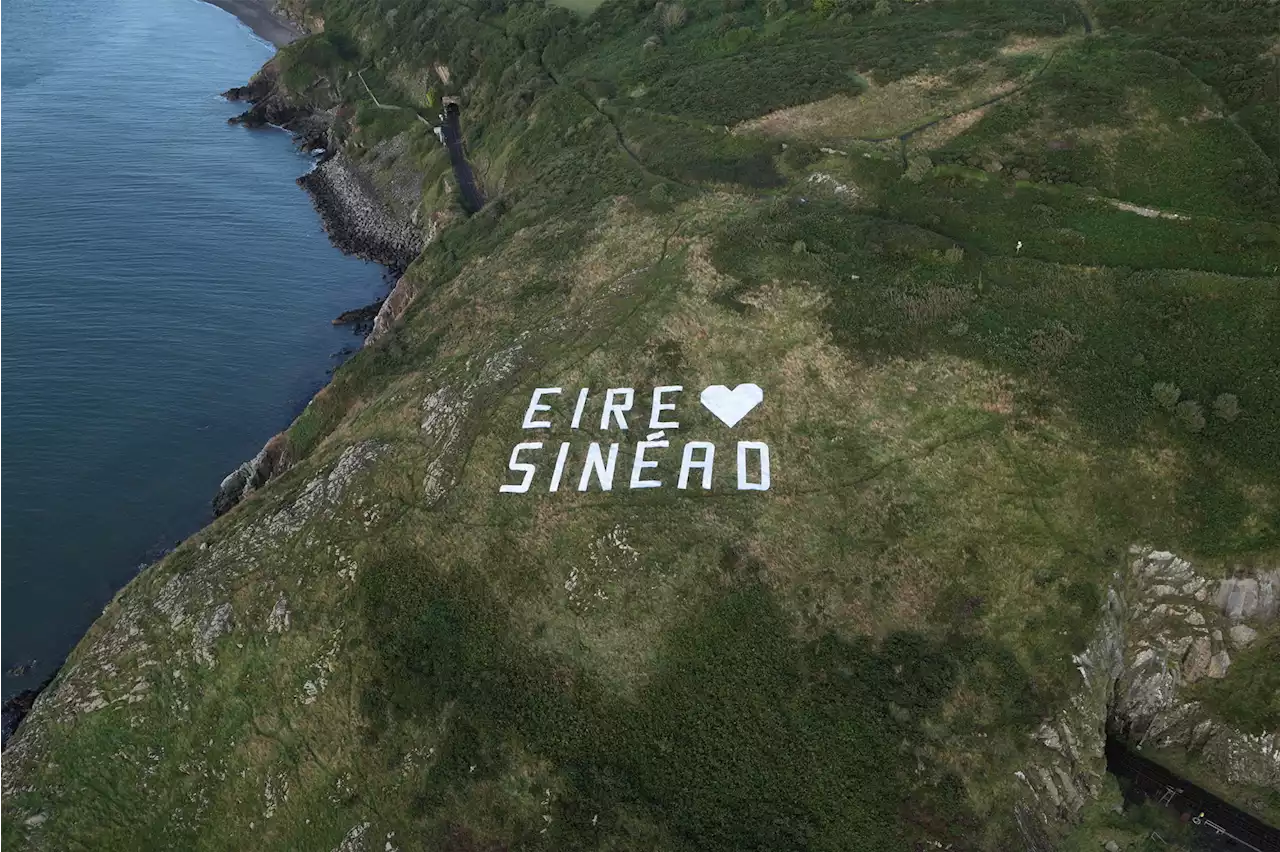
point(259, 16)
point(356, 219)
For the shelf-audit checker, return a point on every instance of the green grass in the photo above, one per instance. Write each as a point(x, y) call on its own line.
point(1250, 696)
point(1132, 124)
point(742, 738)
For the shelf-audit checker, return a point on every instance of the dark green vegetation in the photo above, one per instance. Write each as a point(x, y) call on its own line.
point(1102, 337)
point(743, 738)
point(1039, 323)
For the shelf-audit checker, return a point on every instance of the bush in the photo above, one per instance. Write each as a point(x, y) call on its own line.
point(674, 17)
point(1226, 407)
point(1165, 394)
point(1190, 414)
point(918, 167)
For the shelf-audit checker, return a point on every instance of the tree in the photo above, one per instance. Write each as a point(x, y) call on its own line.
point(1190, 414)
point(1165, 394)
point(1226, 406)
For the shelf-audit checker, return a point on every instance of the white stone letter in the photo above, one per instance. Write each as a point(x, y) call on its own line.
point(640, 464)
point(535, 406)
point(577, 409)
point(659, 406)
point(559, 471)
point(596, 462)
point(704, 464)
point(616, 408)
point(516, 464)
point(763, 449)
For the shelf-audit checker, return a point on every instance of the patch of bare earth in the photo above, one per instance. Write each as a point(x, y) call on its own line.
point(881, 111)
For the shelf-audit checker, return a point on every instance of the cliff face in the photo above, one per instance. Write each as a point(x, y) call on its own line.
point(1185, 628)
point(1165, 628)
point(428, 624)
point(368, 209)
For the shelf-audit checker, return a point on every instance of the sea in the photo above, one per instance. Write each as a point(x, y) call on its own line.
point(166, 297)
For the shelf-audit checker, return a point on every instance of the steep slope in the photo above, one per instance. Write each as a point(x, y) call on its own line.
point(994, 351)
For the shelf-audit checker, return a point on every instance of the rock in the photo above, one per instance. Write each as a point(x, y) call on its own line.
point(1238, 597)
point(1195, 619)
point(1049, 737)
point(1162, 591)
point(15, 710)
point(1111, 846)
point(355, 220)
point(20, 669)
point(278, 620)
point(1242, 635)
point(1219, 664)
point(1178, 647)
point(35, 820)
point(215, 624)
point(361, 318)
point(1196, 663)
point(271, 461)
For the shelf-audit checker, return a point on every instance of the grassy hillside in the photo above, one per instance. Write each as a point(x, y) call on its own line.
point(1008, 274)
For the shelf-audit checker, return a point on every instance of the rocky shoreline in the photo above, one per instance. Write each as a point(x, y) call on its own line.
point(356, 219)
point(354, 216)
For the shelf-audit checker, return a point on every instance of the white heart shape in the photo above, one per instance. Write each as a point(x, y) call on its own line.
point(732, 405)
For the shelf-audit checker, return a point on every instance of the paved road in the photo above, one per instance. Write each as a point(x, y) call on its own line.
point(1222, 826)
point(472, 200)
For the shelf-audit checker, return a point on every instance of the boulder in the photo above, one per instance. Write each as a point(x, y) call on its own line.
point(1238, 597)
point(1242, 635)
point(1196, 664)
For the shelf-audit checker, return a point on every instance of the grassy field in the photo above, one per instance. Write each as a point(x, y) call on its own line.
point(1013, 293)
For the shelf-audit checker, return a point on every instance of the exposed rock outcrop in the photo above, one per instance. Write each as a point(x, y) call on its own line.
point(1070, 764)
point(271, 460)
point(1162, 630)
point(14, 711)
point(1168, 651)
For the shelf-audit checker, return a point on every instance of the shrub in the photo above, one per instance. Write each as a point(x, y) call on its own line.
point(1165, 394)
point(1190, 414)
point(882, 8)
point(918, 167)
point(674, 17)
point(1226, 406)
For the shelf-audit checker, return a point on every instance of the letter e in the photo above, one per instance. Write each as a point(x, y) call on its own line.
point(535, 406)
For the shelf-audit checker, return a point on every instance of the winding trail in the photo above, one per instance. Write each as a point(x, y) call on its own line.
point(451, 132)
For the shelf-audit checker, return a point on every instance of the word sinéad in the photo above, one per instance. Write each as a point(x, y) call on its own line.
point(596, 467)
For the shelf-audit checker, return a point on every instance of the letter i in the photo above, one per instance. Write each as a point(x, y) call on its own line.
point(578, 409)
point(559, 471)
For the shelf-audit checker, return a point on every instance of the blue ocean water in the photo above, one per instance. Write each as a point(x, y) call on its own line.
point(167, 296)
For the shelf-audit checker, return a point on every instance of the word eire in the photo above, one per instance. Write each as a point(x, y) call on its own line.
point(730, 406)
